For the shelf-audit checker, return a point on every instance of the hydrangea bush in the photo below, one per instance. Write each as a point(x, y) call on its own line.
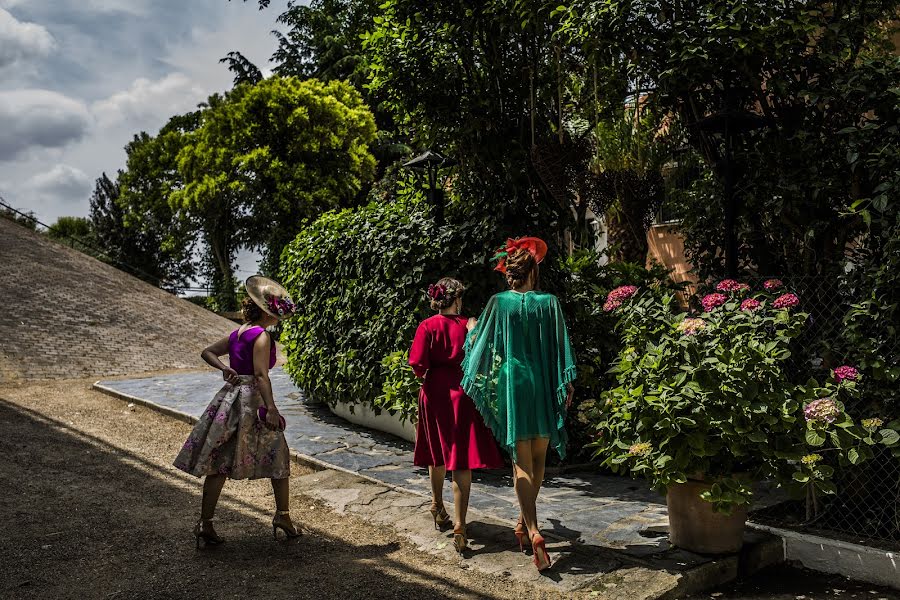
point(706, 396)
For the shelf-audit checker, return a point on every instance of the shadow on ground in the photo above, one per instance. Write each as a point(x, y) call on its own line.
point(86, 519)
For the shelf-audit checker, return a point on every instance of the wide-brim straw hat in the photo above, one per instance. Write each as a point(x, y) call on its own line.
point(270, 296)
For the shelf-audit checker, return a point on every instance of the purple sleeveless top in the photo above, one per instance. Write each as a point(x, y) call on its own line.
point(240, 350)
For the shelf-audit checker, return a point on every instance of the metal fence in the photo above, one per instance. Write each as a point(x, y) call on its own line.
point(866, 507)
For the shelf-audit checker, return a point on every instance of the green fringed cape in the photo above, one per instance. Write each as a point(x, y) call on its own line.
point(517, 366)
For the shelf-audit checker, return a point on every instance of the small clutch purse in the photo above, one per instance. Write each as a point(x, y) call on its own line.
point(261, 415)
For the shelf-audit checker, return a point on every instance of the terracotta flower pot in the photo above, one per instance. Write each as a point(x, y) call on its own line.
point(696, 527)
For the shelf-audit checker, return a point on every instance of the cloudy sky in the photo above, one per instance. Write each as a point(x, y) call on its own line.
point(79, 77)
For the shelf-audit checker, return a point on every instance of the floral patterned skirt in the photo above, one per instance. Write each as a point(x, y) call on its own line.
point(230, 440)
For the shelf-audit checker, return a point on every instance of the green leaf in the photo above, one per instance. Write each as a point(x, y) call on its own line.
point(889, 437)
point(813, 438)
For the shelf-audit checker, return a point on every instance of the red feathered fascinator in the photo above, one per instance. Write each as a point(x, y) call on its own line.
point(536, 246)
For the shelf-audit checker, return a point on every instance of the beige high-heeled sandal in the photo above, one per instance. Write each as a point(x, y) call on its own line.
point(440, 516)
point(460, 539)
point(288, 527)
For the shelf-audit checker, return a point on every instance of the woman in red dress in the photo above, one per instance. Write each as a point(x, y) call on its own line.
point(450, 432)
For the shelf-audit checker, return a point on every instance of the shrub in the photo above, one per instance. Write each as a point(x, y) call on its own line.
point(582, 286)
point(359, 277)
point(707, 395)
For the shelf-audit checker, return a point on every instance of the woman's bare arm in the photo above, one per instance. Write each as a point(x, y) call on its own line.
point(262, 349)
point(211, 355)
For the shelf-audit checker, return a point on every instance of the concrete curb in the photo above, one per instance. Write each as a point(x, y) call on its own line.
point(826, 555)
point(759, 553)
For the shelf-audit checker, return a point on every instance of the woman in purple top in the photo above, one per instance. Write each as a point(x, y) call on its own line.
point(241, 433)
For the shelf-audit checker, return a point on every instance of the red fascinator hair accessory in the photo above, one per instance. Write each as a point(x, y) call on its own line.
point(536, 246)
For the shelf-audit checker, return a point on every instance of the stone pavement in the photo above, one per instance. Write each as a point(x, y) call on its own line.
point(603, 526)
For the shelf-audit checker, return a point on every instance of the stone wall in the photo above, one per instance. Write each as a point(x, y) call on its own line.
point(65, 314)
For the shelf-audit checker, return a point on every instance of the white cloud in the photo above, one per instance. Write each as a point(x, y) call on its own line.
point(20, 41)
point(62, 182)
point(39, 119)
point(148, 102)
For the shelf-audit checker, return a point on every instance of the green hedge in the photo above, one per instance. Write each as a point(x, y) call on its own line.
point(359, 278)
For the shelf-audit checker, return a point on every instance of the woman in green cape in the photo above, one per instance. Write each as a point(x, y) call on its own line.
point(519, 368)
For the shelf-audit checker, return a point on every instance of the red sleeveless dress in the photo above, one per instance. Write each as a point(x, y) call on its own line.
point(450, 431)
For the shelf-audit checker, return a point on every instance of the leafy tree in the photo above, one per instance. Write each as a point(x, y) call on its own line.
point(243, 68)
point(709, 63)
point(630, 157)
point(488, 85)
point(146, 185)
point(136, 242)
point(324, 40)
point(77, 232)
point(269, 156)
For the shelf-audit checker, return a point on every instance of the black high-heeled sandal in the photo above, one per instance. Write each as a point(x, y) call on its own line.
point(209, 537)
point(289, 529)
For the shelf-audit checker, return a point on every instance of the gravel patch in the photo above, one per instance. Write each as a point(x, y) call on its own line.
point(92, 508)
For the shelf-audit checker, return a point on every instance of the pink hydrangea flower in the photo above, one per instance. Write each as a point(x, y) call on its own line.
point(619, 295)
point(728, 285)
point(772, 284)
point(711, 301)
point(750, 304)
point(846, 372)
point(786, 301)
point(823, 410)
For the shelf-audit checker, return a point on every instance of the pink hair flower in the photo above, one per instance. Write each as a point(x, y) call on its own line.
point(786, 301)
point(772, 284)
point(846, 372)
point(711, 301)
point(750, 304)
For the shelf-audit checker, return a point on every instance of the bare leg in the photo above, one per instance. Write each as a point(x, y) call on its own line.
point(462, 487)
point(524, 484)
point(212, 489)
point(437, 475)
point(538, 462)
point(282, 489)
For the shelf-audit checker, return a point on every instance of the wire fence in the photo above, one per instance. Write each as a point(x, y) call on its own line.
point(866, 507)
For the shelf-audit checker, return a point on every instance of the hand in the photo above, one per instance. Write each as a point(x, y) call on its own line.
point(470, 325)
point(273, 418)
point(231, 376)
point(570, 395)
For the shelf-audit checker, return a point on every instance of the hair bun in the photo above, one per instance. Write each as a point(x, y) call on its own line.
point(444, 293)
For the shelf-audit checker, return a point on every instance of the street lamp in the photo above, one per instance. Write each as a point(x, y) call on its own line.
point(430, 161)
point(727, 125)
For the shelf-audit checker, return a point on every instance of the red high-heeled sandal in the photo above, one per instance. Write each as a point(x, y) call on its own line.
point(521, 533)
point(541, 557)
